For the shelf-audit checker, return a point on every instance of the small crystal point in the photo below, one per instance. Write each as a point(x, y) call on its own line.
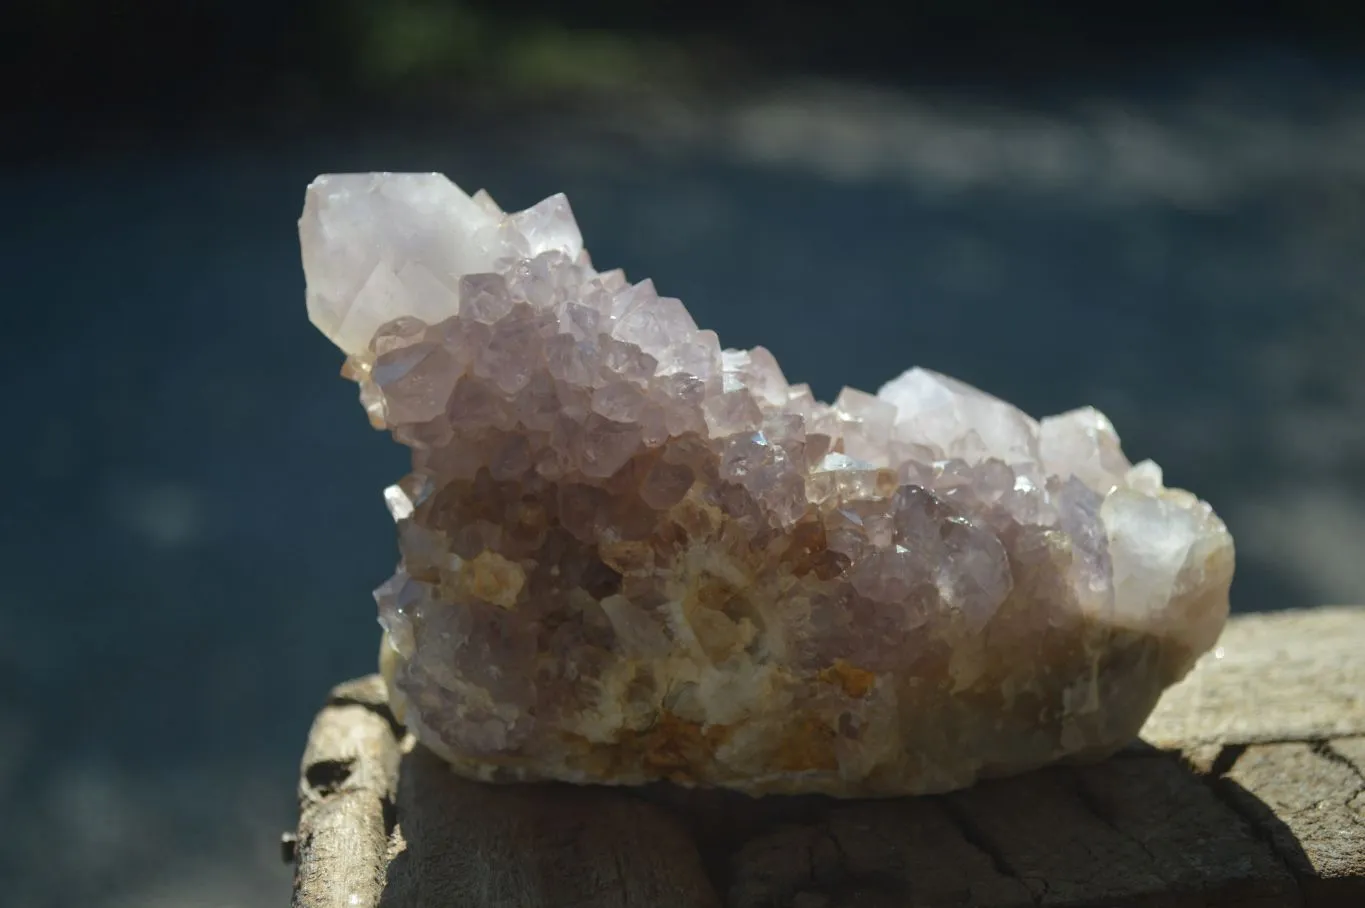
point(629, 555)
point(945, 414)
point(550, 226)
point(360, 231)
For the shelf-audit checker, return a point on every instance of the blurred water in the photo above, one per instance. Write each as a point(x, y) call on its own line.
point(193, 519)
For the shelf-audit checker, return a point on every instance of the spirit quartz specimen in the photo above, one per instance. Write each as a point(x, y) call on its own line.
point(630, 555)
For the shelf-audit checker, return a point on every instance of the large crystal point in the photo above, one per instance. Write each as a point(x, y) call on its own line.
point(628, 555)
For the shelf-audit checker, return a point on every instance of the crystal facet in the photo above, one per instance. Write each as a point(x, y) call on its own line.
point(628, 555)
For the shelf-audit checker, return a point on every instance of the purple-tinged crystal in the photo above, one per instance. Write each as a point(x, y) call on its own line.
point(628, 555)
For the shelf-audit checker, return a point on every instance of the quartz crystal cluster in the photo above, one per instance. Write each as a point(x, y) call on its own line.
point(631, 555)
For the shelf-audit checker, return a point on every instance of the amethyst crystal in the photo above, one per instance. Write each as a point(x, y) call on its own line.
point(630, 555)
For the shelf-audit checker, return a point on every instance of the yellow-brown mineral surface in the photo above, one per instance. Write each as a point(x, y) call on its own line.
point(631, 555)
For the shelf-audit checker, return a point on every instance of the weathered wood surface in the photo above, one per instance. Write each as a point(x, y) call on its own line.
point(1249, 791)
point(1283, 676)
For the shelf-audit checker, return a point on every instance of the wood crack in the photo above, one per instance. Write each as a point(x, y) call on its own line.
point(379, 709)
point(1100, 812)
point(1226, 796)
point(1324, 749)
point(973, 835)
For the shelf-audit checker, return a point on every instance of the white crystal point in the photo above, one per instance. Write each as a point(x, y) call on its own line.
point(550, 227)
point(1083, 443)
point(936, 411)
point(380, 246)
point(1168, 551)
point(630, 555)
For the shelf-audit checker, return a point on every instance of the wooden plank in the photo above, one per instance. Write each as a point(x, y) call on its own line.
point(1239, 814)
point(1308, 801)
point(536, 846)
point(385, 823)
point(1185, 832)
point(346, 789)
point(889, 853)
point(1281, 676)
point(1133, 831)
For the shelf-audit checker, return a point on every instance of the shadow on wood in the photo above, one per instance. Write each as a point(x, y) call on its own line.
point(1213, 823)
point(1137, 830)
point(468, 843)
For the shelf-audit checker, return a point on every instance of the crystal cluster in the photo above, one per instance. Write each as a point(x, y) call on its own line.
point(629, 554)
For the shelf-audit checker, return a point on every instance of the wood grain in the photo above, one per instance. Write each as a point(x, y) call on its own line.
point(1307, 801)
point(346, 800)
point(1249, 791)
point(536, 846)
point(1280, 676)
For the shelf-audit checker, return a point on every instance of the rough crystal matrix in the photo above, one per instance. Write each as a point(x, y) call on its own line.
point(630, 555)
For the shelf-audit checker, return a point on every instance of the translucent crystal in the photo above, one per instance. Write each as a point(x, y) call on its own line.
point(484, 298)
point(732, 413)
point(360, 230)
point(550, 226)
point(1084, 444)
point(757, 372)
point(630, 555)
point(865, 423)
point(652, 323)
point(957, 419)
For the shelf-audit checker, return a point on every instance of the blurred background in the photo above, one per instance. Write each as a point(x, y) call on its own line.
point(1157, 209)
